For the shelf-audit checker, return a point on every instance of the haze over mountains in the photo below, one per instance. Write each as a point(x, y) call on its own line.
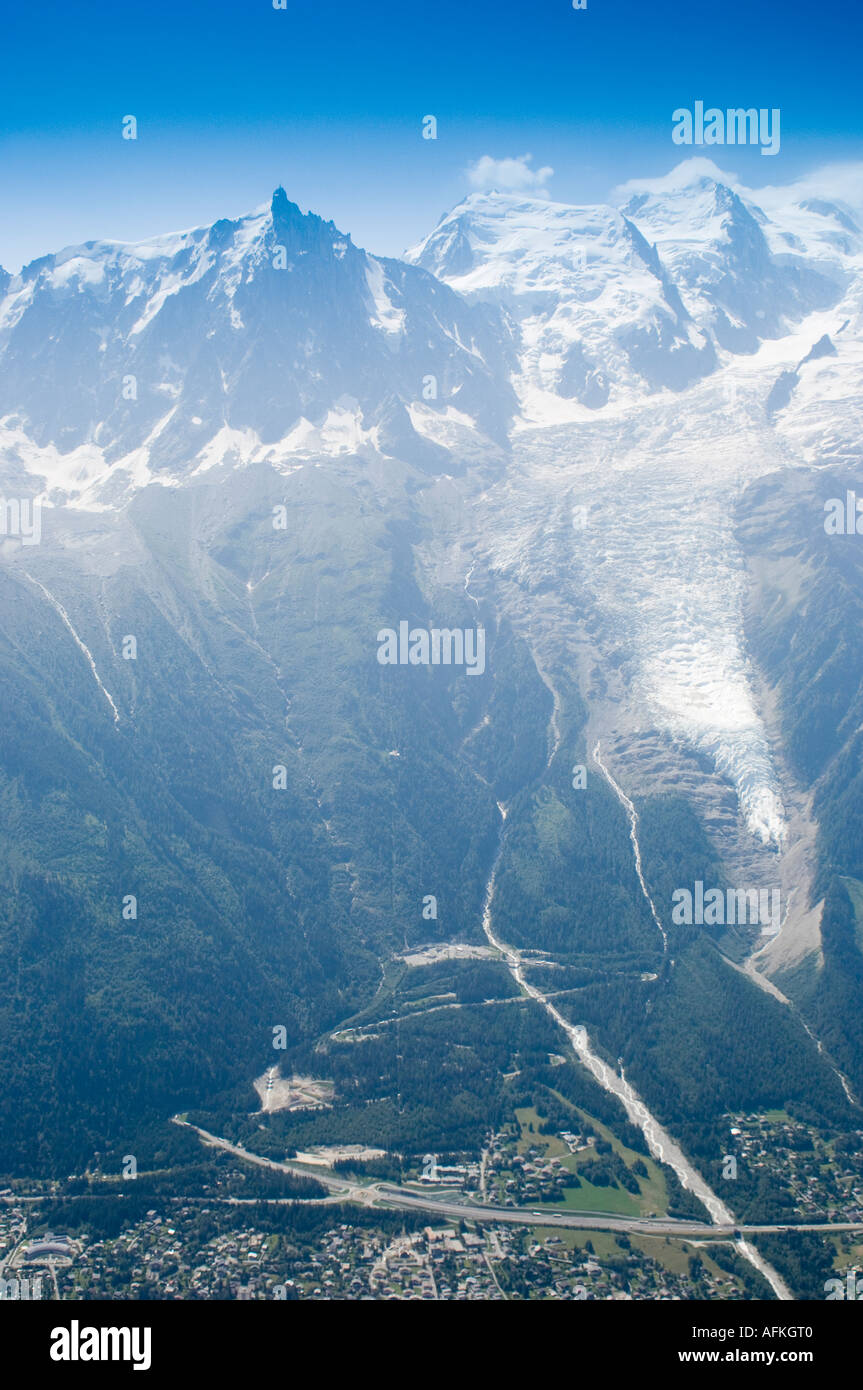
point(578, 308)
point(606, 433)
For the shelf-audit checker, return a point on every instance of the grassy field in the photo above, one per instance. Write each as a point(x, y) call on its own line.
point(654, 1195)
point(603, 1242)
point(848, 1253)
point(613, 1200)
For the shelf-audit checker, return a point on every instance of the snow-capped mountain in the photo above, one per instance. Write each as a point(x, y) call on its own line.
point(593, 311)
point(265, 337)
point(745, 318)
point(716, 244)
point(274, 337)
point(605, 305)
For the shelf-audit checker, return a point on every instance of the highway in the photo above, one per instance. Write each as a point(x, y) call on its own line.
point(389, 1195)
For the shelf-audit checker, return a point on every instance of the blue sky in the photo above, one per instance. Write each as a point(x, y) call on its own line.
point(233, 98)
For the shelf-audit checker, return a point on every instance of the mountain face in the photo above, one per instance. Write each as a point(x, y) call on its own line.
point(590, 305)
point(262, 337)
point(740, 289)
point(607, 304)
point(254, 447)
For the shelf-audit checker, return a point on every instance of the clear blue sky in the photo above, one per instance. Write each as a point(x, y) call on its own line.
point(233, 97)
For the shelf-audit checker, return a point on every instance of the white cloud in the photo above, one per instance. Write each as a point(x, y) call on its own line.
point(509, 175)
point(680, 177)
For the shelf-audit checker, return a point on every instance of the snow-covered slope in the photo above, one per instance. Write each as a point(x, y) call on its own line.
point(742, 280)
point(594, 313)
point(606, 305)
point(263, 337)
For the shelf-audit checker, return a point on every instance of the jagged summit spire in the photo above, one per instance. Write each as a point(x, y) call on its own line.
point(281, 205)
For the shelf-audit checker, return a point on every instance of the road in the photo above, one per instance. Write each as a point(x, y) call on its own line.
point(9, 1257)
point(389, 1195)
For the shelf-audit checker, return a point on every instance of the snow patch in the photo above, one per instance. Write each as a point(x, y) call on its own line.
point(386, 316)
